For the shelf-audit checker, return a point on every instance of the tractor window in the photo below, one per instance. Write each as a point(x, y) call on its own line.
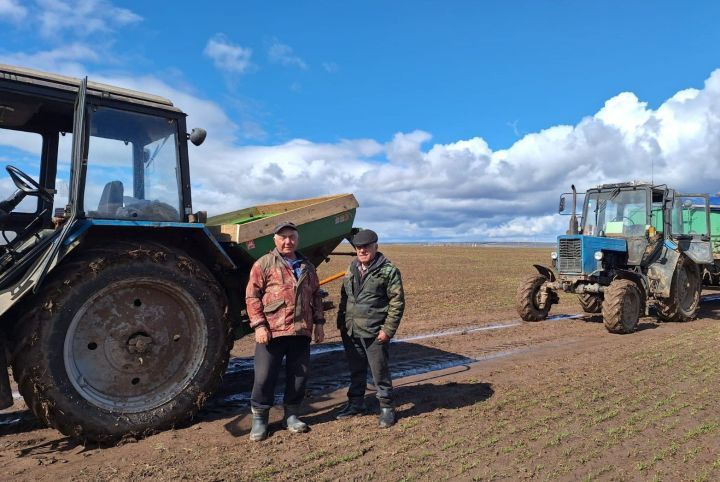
point(132, 167)
point(616, 212)
point(22, 150)
point(689, 216)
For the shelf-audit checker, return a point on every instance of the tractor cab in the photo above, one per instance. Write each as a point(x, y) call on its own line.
point(625, 224)
point(80, 154)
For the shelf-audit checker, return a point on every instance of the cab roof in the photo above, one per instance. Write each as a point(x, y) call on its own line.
point(72, 84)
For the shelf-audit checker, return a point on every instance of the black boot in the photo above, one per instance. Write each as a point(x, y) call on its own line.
point(387, 417)
point(352, 408)
point(292, 422)
point(259, 430)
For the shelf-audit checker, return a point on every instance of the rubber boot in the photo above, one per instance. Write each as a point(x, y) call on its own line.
point(387, 417)
point(292, 422)
point(259, 430)
point(352, 408)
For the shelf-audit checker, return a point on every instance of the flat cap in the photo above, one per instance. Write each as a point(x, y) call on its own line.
point(284, 225)
point(365, 237)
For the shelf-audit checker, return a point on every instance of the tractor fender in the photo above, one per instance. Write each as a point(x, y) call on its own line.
point(636, 278)
point(546, 272)
point(660, 273)
point(194, 238)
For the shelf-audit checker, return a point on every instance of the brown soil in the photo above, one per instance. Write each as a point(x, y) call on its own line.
point(558, 399)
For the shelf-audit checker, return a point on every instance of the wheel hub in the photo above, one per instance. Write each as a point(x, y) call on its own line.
point(139, 343)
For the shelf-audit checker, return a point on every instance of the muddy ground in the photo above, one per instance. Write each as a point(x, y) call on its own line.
point(480, 395)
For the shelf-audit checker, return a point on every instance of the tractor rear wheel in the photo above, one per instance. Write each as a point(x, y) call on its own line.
point(591, 302)
point(531, 300)
point(126, 339)
point(684, 300)
point(622, 306)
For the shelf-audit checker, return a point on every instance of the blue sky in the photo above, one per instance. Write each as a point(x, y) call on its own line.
point(455, 120)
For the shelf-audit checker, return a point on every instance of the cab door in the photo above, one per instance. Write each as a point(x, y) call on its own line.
point(691, 226)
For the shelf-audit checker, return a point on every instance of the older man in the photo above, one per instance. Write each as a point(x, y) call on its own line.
point(372, 302)
point(285, 309)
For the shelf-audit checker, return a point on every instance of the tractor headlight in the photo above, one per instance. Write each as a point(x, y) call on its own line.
point(553, 255)
point(598, 255)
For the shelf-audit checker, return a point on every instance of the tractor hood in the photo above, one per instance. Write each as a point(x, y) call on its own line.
point(576, 252)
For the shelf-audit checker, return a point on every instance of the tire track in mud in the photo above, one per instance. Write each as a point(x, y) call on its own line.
point(329, 372)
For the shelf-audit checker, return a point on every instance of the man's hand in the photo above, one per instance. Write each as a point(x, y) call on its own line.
point(262, 335)
point(382, 337)
point(319, 333)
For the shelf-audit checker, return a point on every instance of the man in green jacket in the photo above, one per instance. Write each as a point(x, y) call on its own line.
point(372, 302)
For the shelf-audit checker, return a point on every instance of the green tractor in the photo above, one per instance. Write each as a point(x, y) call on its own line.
point(636, 246)
point(118, 305)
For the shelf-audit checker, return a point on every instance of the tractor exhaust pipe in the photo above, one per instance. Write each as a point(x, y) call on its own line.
point(573, 219)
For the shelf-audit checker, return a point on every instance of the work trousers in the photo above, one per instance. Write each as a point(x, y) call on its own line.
point(268, 360)
point(364, 352)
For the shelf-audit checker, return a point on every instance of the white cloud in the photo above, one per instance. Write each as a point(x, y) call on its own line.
point(282, 54)
point(409, 188)
point(12, 11)
point(331, 67)
point(82, 18)
point(228, 57)
point(68, 59)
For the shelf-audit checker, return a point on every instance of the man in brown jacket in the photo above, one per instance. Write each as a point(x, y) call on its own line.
point(285, 309)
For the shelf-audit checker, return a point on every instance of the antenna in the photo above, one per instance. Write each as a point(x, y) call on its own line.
point(652, 171)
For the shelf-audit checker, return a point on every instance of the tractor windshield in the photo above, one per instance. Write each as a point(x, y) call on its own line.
point(132, 167)
point(619, 212)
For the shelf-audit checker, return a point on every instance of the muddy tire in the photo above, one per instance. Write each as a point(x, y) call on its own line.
point(684, 300)
point(622, 306)
point(590, 302)
point(527, 299)
point(127, 339)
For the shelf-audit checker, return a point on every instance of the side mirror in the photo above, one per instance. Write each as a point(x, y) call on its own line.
point(561, 208)
point(197, 135)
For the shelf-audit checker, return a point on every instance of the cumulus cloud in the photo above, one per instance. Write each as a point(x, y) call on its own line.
point(410, 188)
point(68, 59)
point(228, 57)
point(283, 54)
point(12, 11)
point(82, 17)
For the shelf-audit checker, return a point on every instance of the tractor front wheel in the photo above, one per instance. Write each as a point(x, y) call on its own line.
point(125, 340)
point(591, 302)
point(684, 300)
point(622, 306)
point(533, 300)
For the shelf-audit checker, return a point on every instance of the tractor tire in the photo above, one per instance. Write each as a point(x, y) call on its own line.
point(591, 302)
point(622, 306)
point(123, 340)
point(527, 299)
point(684, 300)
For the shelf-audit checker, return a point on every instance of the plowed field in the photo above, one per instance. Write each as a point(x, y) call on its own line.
point(481, 396)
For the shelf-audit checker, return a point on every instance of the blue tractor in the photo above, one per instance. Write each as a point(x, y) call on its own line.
point(118, 306)
point(635, 247)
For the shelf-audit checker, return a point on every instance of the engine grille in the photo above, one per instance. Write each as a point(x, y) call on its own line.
point(570, 256)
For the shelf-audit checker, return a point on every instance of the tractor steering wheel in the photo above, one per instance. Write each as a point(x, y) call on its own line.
point(620, 218)
point(28, 185)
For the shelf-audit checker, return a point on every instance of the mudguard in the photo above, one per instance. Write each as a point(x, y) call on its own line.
point(546, 272)
point(660, 273)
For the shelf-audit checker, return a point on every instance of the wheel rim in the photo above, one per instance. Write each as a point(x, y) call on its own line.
point(537, 298)
point(135, 345)
point(686, 285)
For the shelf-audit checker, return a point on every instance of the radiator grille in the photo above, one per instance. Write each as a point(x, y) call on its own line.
point(570, 256)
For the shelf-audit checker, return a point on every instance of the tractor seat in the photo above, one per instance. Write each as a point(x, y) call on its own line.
point(111, 199)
